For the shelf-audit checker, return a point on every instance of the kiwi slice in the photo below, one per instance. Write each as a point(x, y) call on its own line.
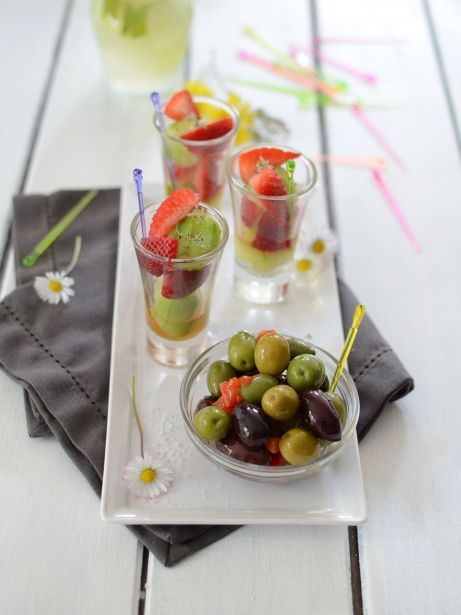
point(197, 234)
point(180, 155)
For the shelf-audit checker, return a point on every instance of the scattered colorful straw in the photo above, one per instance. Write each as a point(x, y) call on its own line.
point(357, 110)
point(370, 162)
point(309, 81)
point(58, 229)
point(356, 40)
point(349, 70)
point(389, 198)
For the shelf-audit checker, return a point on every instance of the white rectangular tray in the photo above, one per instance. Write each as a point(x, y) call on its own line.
point(202, 493)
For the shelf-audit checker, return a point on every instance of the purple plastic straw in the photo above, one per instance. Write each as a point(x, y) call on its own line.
point(155, 98)
point(137, 176)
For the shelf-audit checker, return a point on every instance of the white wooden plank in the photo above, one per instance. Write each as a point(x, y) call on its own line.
point(446, 17)
point(254, 568)
point(58, 557)
point(410, 546)
point(22, 73)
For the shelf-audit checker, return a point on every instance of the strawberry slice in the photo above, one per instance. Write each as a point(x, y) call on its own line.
point(264, 332)
point(269, 245)
point(212, 131)
point(172, 210)
point(204, 179)
point(251, 211)
point(180, 283)
point(260, 157)
point(180, 106)
point(268, 183)
point(160, 246)
point(184, 175)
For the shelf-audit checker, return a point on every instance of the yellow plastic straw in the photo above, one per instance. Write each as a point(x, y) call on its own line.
point(359, 313)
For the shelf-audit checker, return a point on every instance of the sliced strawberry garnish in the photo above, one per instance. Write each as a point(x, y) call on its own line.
point(251, 211)
point(268, 183)
point(184, 175)
point(212, 131)
point(204, 179)
point(269, 245)
point(251, 160)
point(160, 246)
point(180, 106)
point(172, 210)
point(178, 283)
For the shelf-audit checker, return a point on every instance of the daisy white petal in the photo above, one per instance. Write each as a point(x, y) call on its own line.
point(147, 477)
point(54, 287)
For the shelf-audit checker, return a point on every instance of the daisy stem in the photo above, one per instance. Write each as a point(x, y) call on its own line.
point(75, 256)
point(136, 412)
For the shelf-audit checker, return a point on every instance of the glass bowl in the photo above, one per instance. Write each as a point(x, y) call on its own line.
point(194, 387)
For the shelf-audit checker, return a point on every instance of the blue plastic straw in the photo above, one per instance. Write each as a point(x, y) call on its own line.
point(137, 176)
point(155, 98)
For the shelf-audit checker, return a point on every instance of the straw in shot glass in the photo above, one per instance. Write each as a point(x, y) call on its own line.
point(137, 176)
point(155, 98)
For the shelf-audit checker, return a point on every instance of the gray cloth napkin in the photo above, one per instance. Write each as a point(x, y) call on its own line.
point(60, 354)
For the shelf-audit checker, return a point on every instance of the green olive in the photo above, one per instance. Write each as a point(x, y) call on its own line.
point(272, 354)
point(298, 445)
point(297, 347)
point(212, 423)
point(305, 372)
point(218, 372)
point(241, 350)
point(340, 405)
point(280, 402)
point(254, 392)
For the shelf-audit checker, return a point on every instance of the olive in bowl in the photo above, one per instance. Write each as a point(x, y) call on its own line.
point(274, 432)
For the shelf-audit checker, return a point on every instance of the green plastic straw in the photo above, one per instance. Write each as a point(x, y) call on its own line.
point(58, 229)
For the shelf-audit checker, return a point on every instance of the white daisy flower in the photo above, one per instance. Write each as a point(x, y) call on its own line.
point(147, 477)
point(54, 287)
point(316, 250)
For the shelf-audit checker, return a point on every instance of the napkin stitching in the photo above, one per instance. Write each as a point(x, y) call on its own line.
point(51, 355)
point(370, 363)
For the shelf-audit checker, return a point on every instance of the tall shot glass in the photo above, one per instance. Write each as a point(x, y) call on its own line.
point(266, 230)
point(177, 294)
point(198, 165)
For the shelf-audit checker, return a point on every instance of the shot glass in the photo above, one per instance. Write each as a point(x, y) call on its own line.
point(177, 294)
point(199, 165)
point(266, 230)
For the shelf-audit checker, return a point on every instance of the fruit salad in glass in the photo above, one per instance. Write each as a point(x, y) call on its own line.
point(270, 187)
point(178, 260)
point(200, 132)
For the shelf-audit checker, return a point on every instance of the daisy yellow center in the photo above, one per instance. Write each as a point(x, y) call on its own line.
point(55, 286)
point(318, 246)
point(304, 264)
point(148, 475)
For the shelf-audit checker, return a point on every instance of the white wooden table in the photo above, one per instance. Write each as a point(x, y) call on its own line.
point(61, 127)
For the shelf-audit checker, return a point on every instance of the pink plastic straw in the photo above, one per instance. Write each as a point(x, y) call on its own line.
point(367, 77)
point(378, 179)
point(356, 40)
point(310, 82)
point(361, 115)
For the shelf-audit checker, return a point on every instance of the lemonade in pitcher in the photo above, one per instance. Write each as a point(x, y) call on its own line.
point(143, 42)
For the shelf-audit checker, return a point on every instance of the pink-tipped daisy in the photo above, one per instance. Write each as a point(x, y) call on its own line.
point(147, 477)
